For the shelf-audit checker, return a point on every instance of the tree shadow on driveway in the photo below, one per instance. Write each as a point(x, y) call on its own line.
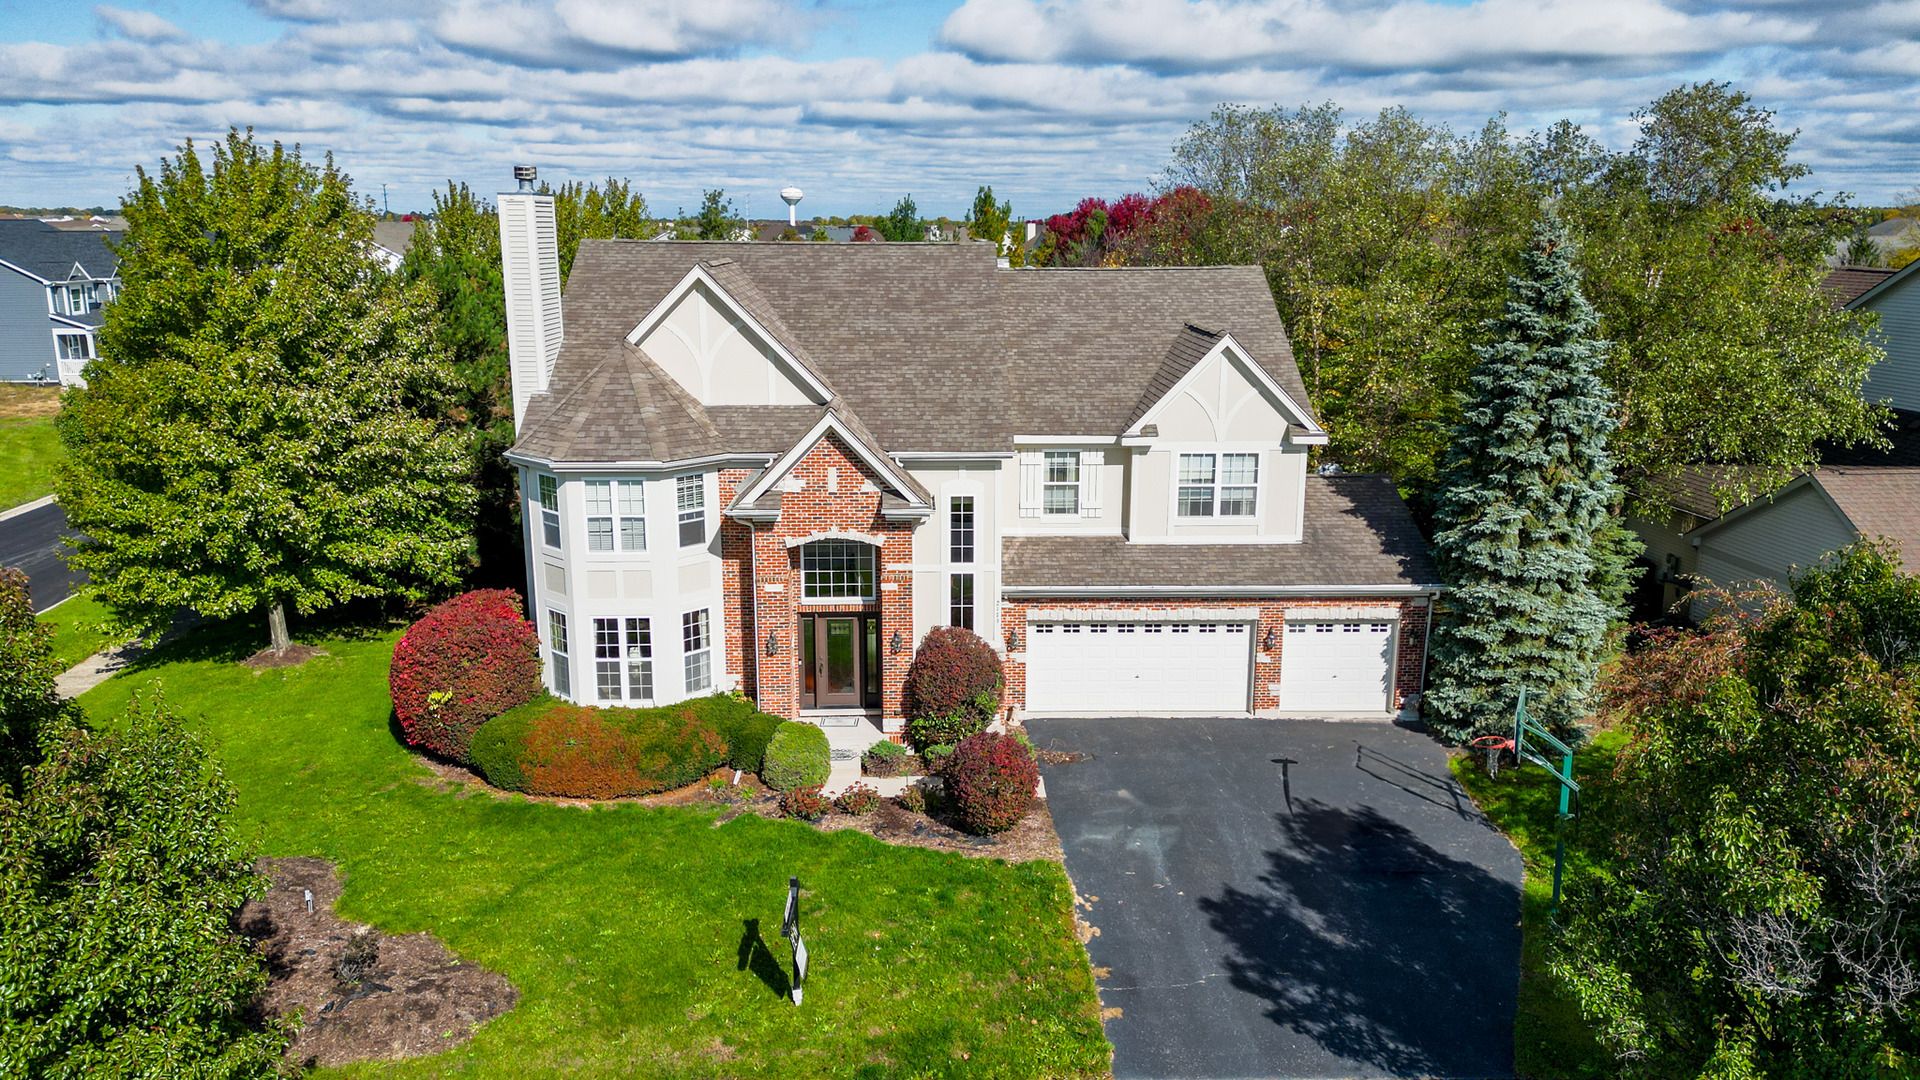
point(1384, 951)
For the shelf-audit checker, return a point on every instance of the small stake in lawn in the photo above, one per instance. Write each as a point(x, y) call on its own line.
point(1526, 733)
point(790, 926)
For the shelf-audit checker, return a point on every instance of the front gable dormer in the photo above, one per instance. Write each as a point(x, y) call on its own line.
point(721, 349)
point(1209, 390)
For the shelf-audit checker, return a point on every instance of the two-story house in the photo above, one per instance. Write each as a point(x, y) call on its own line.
point(775, 467)
point(53, 285)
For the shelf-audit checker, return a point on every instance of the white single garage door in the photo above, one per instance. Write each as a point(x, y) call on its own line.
point(1139, 667)
point(1336, 666)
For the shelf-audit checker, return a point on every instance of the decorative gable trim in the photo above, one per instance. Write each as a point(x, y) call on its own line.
point(1302, 428)
point(860, 537)
point(699, 275)
point(831, 423)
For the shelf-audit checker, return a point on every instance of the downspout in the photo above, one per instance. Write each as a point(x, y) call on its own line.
point(753, 639)
point(1426, 644)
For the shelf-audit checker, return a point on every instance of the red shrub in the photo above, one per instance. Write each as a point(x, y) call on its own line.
point(856, 800)
point(991, 778)
point(954, 673)
point(574, 751)
point(466, 662)
point(805, 803)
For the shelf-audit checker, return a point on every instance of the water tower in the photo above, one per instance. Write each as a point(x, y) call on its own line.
point(791, 196)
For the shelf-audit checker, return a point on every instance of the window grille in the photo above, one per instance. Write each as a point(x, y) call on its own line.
point(616, 508)
point(697, 646)
point(550, 511)
point(1062, 492)
point(960, 601)
point(1223, 484)
point(837, 569)
point(557, 648)
point(960, 529)
point(691, 494)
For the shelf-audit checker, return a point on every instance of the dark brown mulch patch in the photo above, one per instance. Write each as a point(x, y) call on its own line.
point(1058, 757)
point(293, 657)
point(413, 999)
point(1033, 838)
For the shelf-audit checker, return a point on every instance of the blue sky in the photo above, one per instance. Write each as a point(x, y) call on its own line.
point(861, 101)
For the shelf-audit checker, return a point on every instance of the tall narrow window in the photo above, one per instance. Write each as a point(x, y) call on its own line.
point(960, 601)
point(639, 660)
point(692, 496)
point(607, 682)
point(1196, 485)
point(630, 502)
point(550, 511)
point(697, 646)
point(599, 516)
point(1062, 494)
point(557, 648)
point(960, 529)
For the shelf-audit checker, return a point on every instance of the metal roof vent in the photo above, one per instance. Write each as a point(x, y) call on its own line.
point(525, 174)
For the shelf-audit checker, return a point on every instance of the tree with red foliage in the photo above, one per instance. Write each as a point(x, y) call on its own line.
point(464, 663)
point(1134, 228)
point(864, 234)
point(992, 778)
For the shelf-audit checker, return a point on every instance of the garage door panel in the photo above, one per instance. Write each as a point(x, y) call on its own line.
point(1337, 666)
point(1139, 667)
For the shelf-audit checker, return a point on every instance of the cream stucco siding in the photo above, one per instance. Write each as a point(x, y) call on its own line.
point(933, 564)
point(717, 358)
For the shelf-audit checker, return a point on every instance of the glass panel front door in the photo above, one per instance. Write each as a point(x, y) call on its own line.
point(839, 682)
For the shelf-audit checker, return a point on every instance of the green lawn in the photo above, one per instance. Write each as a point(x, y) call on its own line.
point(29, 452)
point(624, 927)
point(76, 630)
point(1550, 1040)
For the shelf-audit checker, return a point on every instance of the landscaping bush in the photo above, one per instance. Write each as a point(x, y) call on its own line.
point(464, 663)
point(912, 799)
point(856, 800)
point(952, 688)
point(991, 778)
point(804, 803)
point(797, 756)
point(936, 756)
point(745, 728)
point(884, 759)
point(553, 747)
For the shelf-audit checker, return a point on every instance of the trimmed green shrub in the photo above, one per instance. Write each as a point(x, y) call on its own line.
point(952, 688)
point(804, 803)
point(912, 799)
point(745, 728)
point(991, 778)
point(884, 759)
point(554, 747)
point(797, 756)
point(856, 800)
point(936, 757)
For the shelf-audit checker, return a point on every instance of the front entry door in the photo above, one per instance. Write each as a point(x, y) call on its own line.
point(834, 662)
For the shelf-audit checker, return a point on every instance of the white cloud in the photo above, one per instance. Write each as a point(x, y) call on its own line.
point(138, 25)
point(1047, 100)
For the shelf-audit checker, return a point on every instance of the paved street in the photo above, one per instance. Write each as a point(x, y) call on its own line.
point(31, 542)
point(1356, 917)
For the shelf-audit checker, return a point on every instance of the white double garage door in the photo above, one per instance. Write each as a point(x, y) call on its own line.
point(1336, 665)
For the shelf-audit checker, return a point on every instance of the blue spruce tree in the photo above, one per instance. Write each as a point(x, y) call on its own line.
point(1534, 559)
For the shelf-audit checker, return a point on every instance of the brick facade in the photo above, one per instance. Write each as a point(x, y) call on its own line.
point(1410, 643)
point(764, 583)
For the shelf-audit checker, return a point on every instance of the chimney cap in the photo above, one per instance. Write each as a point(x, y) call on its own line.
point(525, 174)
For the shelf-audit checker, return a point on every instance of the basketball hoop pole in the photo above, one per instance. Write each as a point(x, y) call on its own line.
point(1525, 728)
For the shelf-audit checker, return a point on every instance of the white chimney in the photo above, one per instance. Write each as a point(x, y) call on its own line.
point(530, 270)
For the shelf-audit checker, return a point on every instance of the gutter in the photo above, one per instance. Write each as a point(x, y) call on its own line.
point(761, 460)
point(1248, 591)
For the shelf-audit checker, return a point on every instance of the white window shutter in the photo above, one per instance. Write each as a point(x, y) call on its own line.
point(1033, 479)
point(1092, 464)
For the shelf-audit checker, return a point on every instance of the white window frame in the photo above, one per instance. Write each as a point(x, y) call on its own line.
point(558, 647)
point(691, 511)
point(696, 648)
point(61, 349)
point(622, 522)
point(623, 658)
point(970, 603)
point(865, 577)
point(1049, 485)
point(1218, 456)
point(546, 496)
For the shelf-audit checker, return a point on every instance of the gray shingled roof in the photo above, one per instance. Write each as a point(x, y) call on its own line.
point(1358, 532)
point(1850, 283)
point(930, 345)
point(1190, 345)
point(1880, 501)
point(50, 253)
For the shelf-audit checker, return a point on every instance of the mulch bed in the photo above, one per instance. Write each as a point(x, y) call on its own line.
point(415, 998)
point(293, 657)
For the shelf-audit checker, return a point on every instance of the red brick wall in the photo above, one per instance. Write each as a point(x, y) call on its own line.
point(775, 681)
point(1408, 666)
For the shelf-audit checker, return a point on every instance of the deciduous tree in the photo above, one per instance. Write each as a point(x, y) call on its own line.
point(267, 427)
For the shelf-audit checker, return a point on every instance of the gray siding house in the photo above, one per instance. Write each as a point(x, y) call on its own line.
point(54, 284)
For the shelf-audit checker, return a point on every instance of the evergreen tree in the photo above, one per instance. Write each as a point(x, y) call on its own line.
point(902, 224)
point(1526, 539)
point(267, 423)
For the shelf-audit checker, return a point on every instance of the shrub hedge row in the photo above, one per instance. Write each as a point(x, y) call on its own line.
point(553, 747)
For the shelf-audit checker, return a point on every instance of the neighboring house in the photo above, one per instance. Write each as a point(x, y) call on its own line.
point(775, 467)
point(1892, 236)
point(1817, 513)
point(53, 285)
point(391, 239)
point(1676, 546)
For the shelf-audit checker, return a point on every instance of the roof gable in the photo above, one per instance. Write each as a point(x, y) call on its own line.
point(710, 338)
point(837, 421)
point(1208, 380)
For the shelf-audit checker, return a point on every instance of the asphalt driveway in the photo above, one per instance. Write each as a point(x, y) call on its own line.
point(1352, 917)
point(33, 541)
